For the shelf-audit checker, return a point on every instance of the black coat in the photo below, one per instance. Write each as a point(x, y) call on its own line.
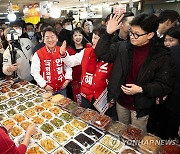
point(156, 75)
point(173, 99)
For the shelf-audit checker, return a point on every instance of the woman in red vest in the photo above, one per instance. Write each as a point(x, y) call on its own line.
point(95, 72)
point(78, 44)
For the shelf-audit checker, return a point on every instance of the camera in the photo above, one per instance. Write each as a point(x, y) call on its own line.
point(12, 35)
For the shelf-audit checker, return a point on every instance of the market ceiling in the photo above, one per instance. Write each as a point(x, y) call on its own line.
point(63, 3)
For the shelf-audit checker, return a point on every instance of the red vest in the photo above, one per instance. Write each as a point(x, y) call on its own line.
point(52, 67)
point(77, 70)
point(94, 83)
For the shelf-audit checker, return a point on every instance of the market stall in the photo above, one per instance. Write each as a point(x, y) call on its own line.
point(63, 127)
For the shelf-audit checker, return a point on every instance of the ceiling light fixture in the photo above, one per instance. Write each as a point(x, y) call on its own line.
point(11, 16)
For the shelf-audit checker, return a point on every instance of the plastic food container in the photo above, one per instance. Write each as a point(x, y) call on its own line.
point(3, 107)
point(84, 140)
point(57, 122)
point(66, 116)
point(19, 117)
point(101, 149)
point(47, 104)
point(38, 135)
point(70, 107)
point(35, 149)
point(60, 151)
point(77, 111)
point(29, 112)
point(25, 124)
point(55, 110)
point(68, 128)
point(11, 103)
point(21, 108)
point(60, 136)
point(150, 144)
point(48, 144)
point(3, 98)
point(112, 143)
point(93, 133)
point(101, 121)
point(47, 128)
point(74, 147)
point(21, 90)
point(88, 115)
point(3, 116)
point(117, 128)
point(17, 131)
point(37, 119)
point(79, 124)
point(11, 112)
point(132, 135)
point(9, 121)
point(47, 115)
point(20, 99)
point(170, 149)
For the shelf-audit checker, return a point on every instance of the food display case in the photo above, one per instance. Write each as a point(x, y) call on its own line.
point(63, 127)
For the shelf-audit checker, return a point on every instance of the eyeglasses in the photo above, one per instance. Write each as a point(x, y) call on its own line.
point(136, 36)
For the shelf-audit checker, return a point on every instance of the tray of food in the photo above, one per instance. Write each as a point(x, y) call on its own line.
point(11, 112)
point(15, 86)
point(30, 95)
point(29, 112)
point(18, 140)
point(131, 135)
point(62, 102)
point(94, 133)
point(37, 119)
point(8, 122)
point(3, 98)
point(47, 115)
point(25, 124)
point(170, 149)
point(38, 108)
point(35, 149)
point(19, 117)
point(3, 107)
point(78, 124)
point(69, 129)
point(39, 91)
point(30, 86)
point(3, 116)
point(116, 128)
point(101, 149)
point(47, 128)
point(60, 136)
point(23, 82)
point(150, 144)
point(84, 140)
point(20, 99)
point(29, 104)
point(12, 94)
point(74, 147)
point(47, 104)
point(55, 110)
point(21, 108)
point(48, 144)
point(21, 90)
point(57, 122)
point(66, 116)
point(38, 135)
point(111, 142)
point(11, 103)
point(60, 151)
point(88, 115)
point(101, 121)
point(38, 100)
point(128, 150)
point(70, 107)
point(17, 131)
point(5, 89)
point(77, 111)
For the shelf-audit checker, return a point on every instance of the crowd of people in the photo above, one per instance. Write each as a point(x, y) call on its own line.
point(134, 57)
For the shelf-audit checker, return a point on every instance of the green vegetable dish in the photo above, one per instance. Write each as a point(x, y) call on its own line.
point(47, 128)
point(57, 122)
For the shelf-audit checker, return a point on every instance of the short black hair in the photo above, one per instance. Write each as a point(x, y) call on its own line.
point(174, 32)
point(80, 30)
point(27, 24)
point(16, 23)
point(65, 21)
point(44, 26)
point(99, 31)
point(168, 14)
point(148, 22)
point(85, 22)
point(49, 29)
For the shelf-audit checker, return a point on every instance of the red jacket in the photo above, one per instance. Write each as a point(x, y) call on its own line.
point(77, 70)
point(95, 75)
point(7, 146)
point(52, 67)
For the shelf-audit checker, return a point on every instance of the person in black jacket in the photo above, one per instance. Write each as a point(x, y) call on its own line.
point(142, 68)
